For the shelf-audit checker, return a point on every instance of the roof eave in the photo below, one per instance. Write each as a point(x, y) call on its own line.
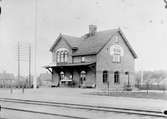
point(56, 41)
point(128, 44)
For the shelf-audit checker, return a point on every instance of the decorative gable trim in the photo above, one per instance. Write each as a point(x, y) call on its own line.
point(60, 37)
point(56, 41)
point(124, 39)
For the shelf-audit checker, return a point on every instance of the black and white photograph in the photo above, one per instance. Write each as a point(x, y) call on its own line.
point(83, 59)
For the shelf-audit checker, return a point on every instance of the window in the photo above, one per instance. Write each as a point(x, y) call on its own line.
point(65, 56)
point(117, 55)
point(62, 55)
point(82, 59)
point(61, 75)
point(105, 76)
point(116, 77)
point(116, 58)
point(83, 74)
point(58, 56)
point(83, 77)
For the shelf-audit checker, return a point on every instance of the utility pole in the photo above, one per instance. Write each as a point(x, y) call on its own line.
point(18, 56)
point(29, 80)
point(141, 82)
point(0, 10)
point(35, 48)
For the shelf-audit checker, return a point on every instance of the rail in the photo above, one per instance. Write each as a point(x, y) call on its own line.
point(89, 107)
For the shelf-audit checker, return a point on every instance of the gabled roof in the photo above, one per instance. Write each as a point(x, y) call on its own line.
point(70, 40)
point(92, 44)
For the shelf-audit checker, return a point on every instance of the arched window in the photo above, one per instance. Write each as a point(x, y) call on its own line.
point(61, 75)
point(105, 76)
point(82, 77)
point(65, 56)
point(58, 56)
point(116, 77)
point(83, 74)
point(62, 55)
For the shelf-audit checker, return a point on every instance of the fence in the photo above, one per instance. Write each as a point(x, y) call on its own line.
point(151, 87)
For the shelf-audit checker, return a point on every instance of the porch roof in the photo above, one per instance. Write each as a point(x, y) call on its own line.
point(51, 65)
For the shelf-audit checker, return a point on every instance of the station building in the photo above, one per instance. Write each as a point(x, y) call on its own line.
point(101, 59)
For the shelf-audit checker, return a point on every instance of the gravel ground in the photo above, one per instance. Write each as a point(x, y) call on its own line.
point(149, 95)
point(7, 114)
point(79, 96)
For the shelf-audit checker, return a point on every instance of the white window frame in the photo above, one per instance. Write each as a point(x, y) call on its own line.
point(58, 56)
point(82, 59)
point(62, 55)
point(62, 76)
point(65, 56)
point(117, 55)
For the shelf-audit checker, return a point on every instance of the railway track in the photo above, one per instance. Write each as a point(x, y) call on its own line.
point(78, 106)
point(44, 113)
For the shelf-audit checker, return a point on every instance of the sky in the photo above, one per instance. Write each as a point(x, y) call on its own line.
point(144, 23)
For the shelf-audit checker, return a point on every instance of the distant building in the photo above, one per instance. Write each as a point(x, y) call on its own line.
point(6, 78)
point(99, 58)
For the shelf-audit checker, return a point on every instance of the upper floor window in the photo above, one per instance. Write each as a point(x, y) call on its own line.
point(117, 55)
point(82, 59)
point(105, 76)
point(116, 51)
point(65, 56)
point(116, 77)
point(58, 56)
point(62, 55)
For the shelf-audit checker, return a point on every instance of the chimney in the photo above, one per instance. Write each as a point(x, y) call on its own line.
point(92, 29)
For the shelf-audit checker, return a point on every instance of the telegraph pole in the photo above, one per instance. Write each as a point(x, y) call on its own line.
point(141, 82)
point(18, 56)
point(35, 48)
point(29, 80)
point(0, 8)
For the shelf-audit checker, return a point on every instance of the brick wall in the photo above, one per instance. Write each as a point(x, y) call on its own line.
point(104, 62)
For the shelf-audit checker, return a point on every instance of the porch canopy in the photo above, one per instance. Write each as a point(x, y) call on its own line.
point(68, 65)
